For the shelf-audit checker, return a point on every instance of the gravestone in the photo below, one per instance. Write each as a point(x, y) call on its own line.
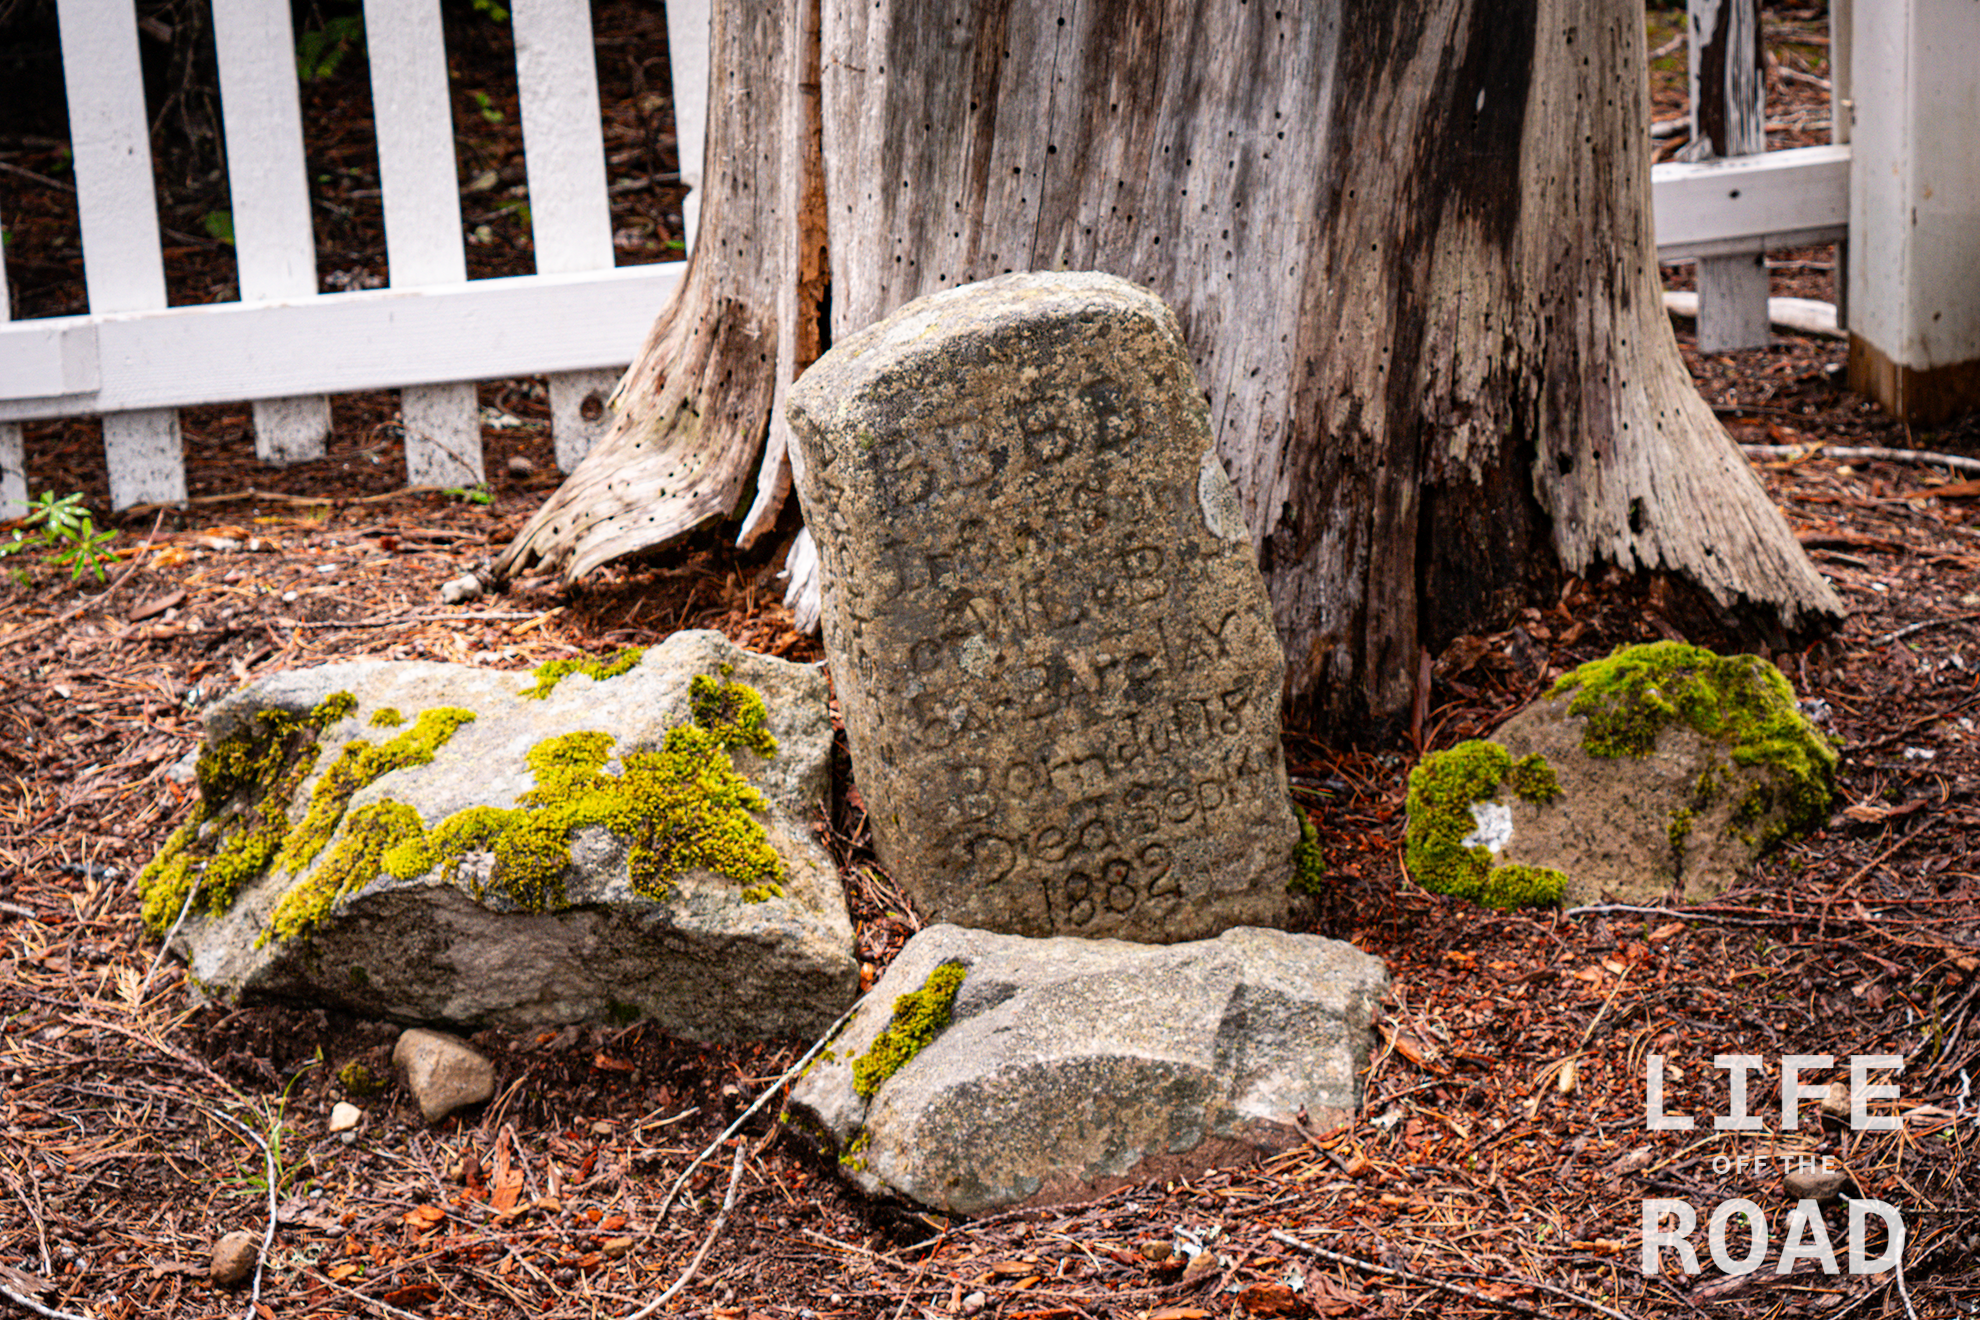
point(1047, 630)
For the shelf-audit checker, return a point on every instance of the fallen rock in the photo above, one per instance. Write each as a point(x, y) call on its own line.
point(1656, 775)
point(988, 1071)
point(443, 1072)
point(344, 1116)
point(234, 1258)
point(599, 841)
point(1813, 1182)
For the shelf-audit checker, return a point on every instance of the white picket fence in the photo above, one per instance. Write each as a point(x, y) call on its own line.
point(285, 345)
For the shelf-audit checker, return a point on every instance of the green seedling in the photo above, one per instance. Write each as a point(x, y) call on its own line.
point(64, 532)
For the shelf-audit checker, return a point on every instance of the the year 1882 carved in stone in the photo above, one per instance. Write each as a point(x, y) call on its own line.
point(1047, 630)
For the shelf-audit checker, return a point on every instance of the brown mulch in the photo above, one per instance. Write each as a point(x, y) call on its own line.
point(1501, 1159)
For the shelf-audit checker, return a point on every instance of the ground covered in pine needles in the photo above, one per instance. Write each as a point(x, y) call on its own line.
point(1502, 1156)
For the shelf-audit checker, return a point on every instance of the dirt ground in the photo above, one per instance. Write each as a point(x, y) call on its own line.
point(1501, 1159)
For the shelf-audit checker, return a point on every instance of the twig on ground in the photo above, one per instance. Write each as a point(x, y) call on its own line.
point(29, 1304)
point(1920, 627)
point(667, 1203)
point(273, 1176)
point(714, 1230)
point(1865, 453)
point(1457, 1289)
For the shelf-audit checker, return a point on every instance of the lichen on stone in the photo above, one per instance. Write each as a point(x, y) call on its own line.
point(919, 1017)
point(552, 672)
point(1442, 788)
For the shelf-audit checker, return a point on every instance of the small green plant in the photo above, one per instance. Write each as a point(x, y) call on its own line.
point(470, 494)
point(219, 226)
point(319, 51)
point(496, 13)
point(65, 534)
point(490, 114)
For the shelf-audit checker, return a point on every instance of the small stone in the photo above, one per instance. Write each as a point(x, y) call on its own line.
point(520, 466)
point(344, 1116)
point(1159, 1249)
point(1835, 1100)
point(463, 588)
point(443, 1072)
point(234, 1258)
point(616, 1247)
point(1812, 1182)
point(974, 1303)
point(601, 1129)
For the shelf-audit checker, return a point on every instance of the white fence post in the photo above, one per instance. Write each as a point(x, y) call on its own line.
point(1914, 208)
point(570, 213)
point(423, 245)
point(274, 246)
point(1728, 118)
point(124, 269)
point(13, 456)
point(687, 52)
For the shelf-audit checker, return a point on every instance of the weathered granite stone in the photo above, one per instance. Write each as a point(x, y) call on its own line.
point(598, 891)
point(1068, 1067)
point(1047, 630)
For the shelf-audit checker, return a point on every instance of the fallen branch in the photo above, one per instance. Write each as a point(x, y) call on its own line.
point(1456, 1289)
point(735, 1127)
point(728, 1204)
point(29, 1304)
point(1864, 453)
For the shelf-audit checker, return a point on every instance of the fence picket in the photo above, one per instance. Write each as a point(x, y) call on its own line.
point(125, 268)
point(423, 244)
point(13, 455)
point(570, 212)
point(687, 52)
point(274, 245)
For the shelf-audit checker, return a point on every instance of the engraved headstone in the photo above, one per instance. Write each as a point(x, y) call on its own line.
point(1047, 630)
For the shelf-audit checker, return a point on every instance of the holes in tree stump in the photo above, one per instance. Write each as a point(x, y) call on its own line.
point(593, 406)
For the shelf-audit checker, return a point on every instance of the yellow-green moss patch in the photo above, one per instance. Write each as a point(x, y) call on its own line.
point(919, 1017)
point(1309, 861)
point(1442, 788)
point(360, 764)
point(1740, 701)
point(247, 783)
point(552, 672)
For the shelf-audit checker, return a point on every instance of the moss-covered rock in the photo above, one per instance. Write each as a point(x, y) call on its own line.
point(1663, 771)
point(650, 816)
point(1444, 842)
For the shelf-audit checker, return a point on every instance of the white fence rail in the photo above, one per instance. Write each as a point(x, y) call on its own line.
point(285, 345)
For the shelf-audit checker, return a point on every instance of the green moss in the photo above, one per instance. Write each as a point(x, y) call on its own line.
point(1679, 831)
point(360, 764)
point(1309, 862)
point(387, 717)
point(369, 833)
point(762, 893)
point(1532, 779)
point(1740, 701)
point(732, 711)
point(247, 782)
point(854, 1156)
point(358, 1080)
point(1442, 788)
point(552, 672)
point(1517, 885)
point(919, 1017)
point(623, 1014)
